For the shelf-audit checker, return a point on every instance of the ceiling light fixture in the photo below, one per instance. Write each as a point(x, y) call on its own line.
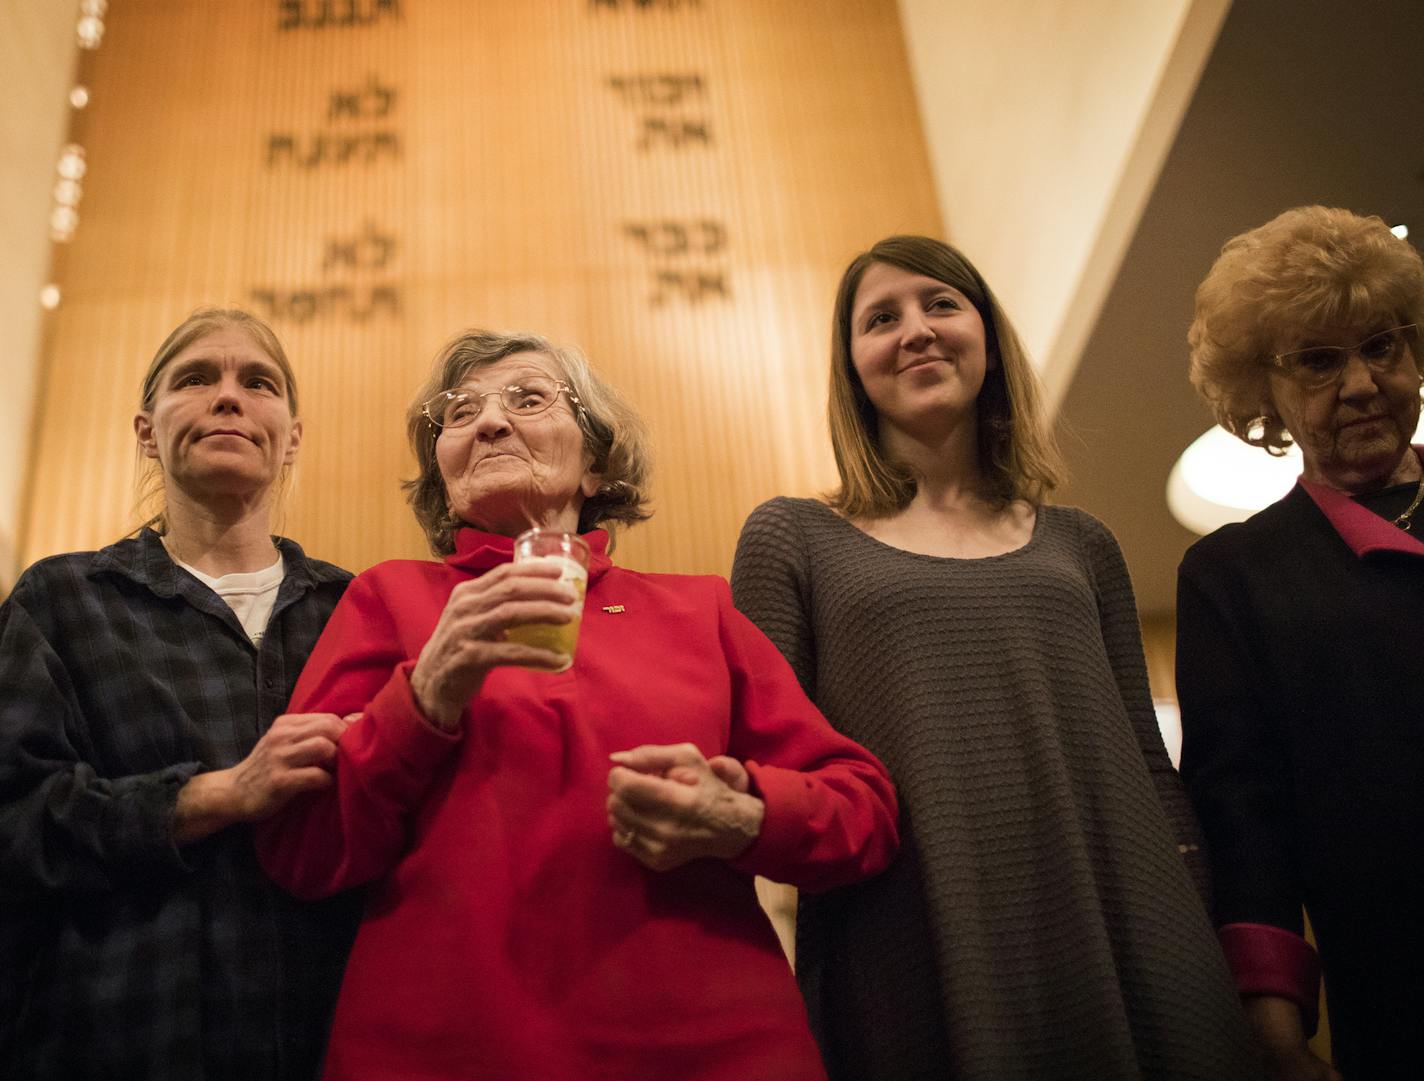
point(1219, 479)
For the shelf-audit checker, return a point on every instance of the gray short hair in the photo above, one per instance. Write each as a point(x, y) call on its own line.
point(612, 433)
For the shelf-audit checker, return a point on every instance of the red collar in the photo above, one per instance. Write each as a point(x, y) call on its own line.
point(1362, 529)
point(477, 551)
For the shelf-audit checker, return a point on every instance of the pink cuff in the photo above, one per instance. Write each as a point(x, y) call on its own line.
point(1267, 960)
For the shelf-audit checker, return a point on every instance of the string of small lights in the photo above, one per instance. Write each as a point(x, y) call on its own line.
point(71, 166)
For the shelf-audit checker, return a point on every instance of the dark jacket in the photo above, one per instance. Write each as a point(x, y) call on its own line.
point(1301, 678)
point(122, 956)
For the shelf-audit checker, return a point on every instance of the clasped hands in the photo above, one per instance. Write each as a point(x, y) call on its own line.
point(669, 805)
point(293, 756)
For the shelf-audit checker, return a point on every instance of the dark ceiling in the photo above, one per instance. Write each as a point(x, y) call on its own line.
point(1301, 101)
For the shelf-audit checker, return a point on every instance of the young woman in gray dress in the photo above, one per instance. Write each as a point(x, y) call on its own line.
point(1041, 921)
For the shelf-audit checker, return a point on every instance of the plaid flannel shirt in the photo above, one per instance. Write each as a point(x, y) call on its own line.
point(121, 955)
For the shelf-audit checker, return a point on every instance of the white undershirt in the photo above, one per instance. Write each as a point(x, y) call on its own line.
point(250, 596)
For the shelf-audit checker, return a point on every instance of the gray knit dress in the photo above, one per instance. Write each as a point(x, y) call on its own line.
point(1039, 923)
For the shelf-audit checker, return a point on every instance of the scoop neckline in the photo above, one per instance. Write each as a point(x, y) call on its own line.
point(1033, 540)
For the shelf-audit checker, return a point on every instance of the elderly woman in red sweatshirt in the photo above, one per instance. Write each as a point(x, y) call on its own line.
point(561, 857)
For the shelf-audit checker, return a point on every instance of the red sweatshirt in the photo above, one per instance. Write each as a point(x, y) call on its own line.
point(505, 936)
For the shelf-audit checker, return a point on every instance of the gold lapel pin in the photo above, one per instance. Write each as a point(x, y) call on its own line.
point(614, 609)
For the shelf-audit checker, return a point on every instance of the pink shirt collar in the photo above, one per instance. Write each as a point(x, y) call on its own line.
point(478, 551)
point(1362, 529)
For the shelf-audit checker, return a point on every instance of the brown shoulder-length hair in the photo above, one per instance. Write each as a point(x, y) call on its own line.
point(1017, 454)
point(612, 434)
point(152, 511)
point(1309, 270)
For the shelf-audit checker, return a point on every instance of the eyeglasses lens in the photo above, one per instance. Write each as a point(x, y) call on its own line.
point(457, 408)
point(1323, 364)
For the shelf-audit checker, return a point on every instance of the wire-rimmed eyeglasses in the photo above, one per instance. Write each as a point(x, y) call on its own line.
point(1321, 365)
point(527, 398)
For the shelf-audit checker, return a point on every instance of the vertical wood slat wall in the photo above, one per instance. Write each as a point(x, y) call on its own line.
point(1159, 646)
point(510, 191)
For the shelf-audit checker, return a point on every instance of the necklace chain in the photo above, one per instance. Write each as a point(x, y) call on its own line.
point(1405, 521)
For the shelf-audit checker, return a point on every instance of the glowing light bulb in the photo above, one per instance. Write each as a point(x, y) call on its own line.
point(63, 220)
point(1219, 479)
point(90, 31)
point(71, 163)
point(67, 192)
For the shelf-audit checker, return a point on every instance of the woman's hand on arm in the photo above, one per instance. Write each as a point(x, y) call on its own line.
point(469, 640)
point(668, 805)
point(292, 756)
point(1279, 1030)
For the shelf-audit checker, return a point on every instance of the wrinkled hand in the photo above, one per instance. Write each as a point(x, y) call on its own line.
point(1299, 1064)
point(731, 772)
point(469, 638)
point(1277, 1025)
point(668, 805)
point(292, 756)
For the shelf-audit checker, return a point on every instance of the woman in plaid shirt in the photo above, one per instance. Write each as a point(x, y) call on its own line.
point(141, 692)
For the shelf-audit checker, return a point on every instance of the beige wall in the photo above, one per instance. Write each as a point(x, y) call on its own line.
point(1047, 123)
point(37, 55)
point(676, 188)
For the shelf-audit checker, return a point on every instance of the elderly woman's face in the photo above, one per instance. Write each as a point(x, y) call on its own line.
point(504, 474)
point(1353, 432)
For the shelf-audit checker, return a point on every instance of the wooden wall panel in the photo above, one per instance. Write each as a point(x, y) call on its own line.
point(37, 55)
point(1159, 645)
point(672, 185)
